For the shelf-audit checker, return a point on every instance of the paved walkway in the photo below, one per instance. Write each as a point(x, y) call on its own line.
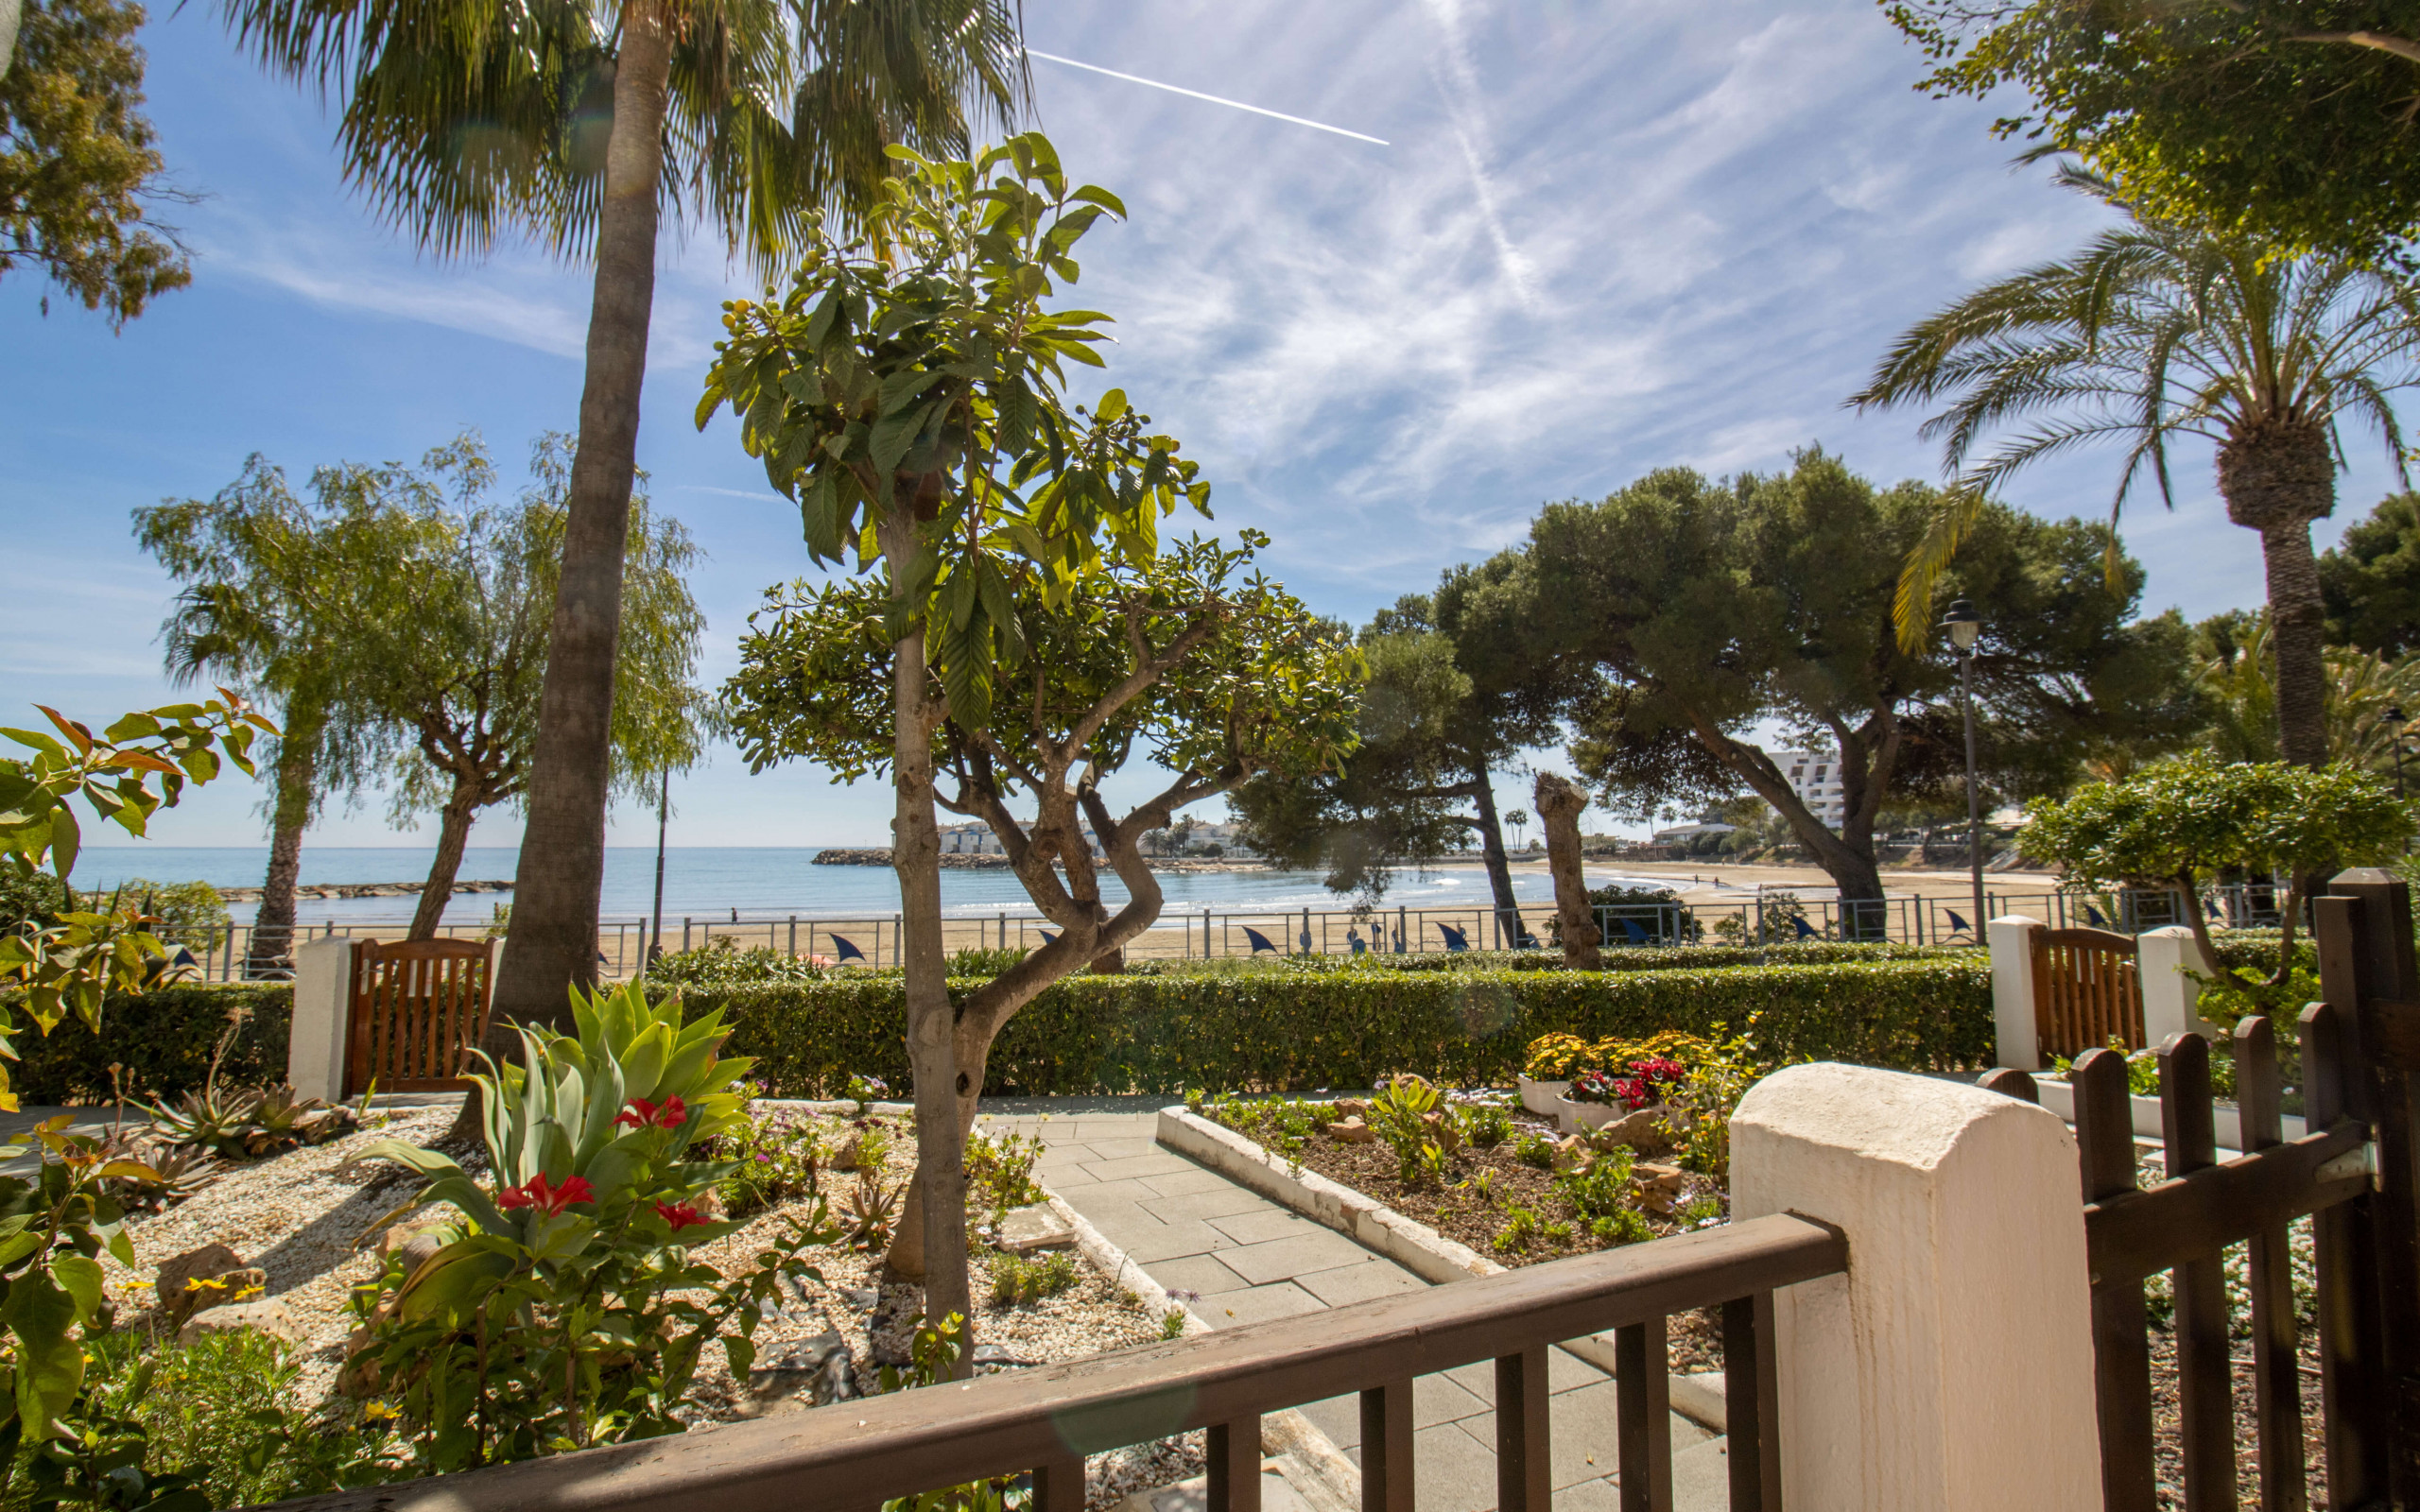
point(1195, 1231)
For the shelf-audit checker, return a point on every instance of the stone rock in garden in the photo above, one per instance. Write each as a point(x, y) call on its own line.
point(1449, 1139)
point(1571, 1152)
point(1659, 1186)
point(1022, 1230)
point(1642, 1130)
point(818, 1369)
point(995, 1354)
point(267, 1314)
point(1351, 1131)
point(848, 1156)
point(1352, 1108)
point(170, 1281)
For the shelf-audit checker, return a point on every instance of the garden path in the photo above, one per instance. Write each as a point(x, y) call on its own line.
point(1194, 1231)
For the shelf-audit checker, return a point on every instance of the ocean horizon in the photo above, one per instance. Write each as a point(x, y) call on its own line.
point(708, 883)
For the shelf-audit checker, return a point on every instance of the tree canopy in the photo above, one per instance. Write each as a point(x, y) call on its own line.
point(414, 612)
point(1459, 685)
point(2370, 579)
point(2286, 121)
point(76, 159)
point(908, 391)
point(2180, 823)
point(1714, 608)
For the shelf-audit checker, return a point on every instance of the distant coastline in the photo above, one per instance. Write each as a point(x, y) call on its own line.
point(321, 891)
point(992, 860)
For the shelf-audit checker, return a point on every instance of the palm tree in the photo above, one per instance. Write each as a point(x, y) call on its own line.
point(581, 125)
point(2154, 333)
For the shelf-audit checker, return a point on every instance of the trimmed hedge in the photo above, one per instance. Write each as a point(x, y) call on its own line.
point(164, 1038)
point(1275, 1030)
point(1618, 959)
point(1294, 1032)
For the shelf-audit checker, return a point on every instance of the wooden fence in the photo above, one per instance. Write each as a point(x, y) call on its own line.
point(1042, 1421)
point(2352, 1174)
point(2087, 992)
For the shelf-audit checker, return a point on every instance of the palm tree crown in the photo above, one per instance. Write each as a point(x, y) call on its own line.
point(2152, 334)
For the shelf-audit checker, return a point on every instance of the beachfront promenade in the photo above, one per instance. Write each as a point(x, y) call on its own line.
point(1921, 907)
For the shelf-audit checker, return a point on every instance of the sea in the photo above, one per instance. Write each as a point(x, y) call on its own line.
point(713, 883)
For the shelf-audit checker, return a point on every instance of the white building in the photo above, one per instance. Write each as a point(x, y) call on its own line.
point(1815, 778)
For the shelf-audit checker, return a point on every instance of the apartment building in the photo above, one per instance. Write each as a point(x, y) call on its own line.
point(1815, 778)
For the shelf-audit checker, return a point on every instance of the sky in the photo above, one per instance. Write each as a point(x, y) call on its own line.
point(1590, 238)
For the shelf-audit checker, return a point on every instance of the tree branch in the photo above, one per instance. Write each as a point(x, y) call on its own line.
point(2401, 47)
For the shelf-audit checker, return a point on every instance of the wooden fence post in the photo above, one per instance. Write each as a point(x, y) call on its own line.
point(2368, 973)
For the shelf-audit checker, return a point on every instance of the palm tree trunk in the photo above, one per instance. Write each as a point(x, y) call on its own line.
point(552, 942)
point(2277, 474)
point(452, 829)
point(1491, 843)
point(939, 1216)
point(2298, 634)
point(298, 753)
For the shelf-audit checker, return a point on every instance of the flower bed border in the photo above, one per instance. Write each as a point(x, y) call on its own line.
point(1377, 1227)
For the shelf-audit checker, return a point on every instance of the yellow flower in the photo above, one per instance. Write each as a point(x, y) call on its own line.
point(378, 1412)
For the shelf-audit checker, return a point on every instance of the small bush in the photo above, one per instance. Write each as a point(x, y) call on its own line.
point(982, 961)
point(1534, 1150)
point(1000, 1173)
point(1017, 1280)
point(164, 1038)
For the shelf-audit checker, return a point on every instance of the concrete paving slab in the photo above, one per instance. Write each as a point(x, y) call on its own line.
point(1282, 1299)
point(1586, 1434)
point(1114, 1148)
point(1358, 1284)
point(1197, 1273)
point(1127, 1190)
point(1340, 1418)
point(1187, 1236)
point(1449, 1472)
point(1143, 1165)
point(1284, 1258)
point(1270, 1221)
point(1436, 1399)
point(1228, 1203)
point(1179, 1183)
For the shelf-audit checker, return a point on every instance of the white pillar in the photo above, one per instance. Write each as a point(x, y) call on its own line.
point(2171, 1000)
point(2017, 1041)
point(314, 1047)
point(1952, 1366)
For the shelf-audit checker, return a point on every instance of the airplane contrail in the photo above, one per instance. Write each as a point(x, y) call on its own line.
point(1195, 93)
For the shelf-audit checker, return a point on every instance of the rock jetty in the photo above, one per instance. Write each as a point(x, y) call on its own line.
point(987, 861)
point(363, 890)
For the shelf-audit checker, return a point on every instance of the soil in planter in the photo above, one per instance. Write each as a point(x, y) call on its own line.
point(1460, 1210)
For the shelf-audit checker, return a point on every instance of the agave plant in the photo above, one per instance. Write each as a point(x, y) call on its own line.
point(567, 1271)
point(206, 1118)
point(160, 1179)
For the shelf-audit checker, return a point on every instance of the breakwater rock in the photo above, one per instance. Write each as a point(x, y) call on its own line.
point(323, 890)
point(967, 861)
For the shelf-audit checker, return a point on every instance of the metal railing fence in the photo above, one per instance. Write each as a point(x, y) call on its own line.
point(1773, 916)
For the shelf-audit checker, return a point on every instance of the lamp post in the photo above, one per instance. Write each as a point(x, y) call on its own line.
point(2394, 718)
point(1965, 627)
point(663, 814)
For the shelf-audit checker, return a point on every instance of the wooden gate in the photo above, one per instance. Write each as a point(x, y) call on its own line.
point(419, 1008)
point(2087, 992)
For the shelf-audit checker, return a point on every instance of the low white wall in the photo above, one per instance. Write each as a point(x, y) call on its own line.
point(2016, 1040)
point(1952, 1366)
point(323, 1011)
point(2171, 1000)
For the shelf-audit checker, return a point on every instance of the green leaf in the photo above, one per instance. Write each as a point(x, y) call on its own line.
point(51, 1359)
point(82, 1278)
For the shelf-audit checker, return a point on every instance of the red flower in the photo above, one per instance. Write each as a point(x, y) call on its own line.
point(1661, 1070)
point(1632, 1091)
point(544, 1196)
point(680, 1215)
point(644, 1115)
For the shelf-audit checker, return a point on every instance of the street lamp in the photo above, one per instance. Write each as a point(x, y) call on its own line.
point(1965, 627)
point(2394, 718)
point(655, 933)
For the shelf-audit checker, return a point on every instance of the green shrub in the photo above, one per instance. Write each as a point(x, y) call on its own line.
point(1017, 1280)
point(1300, 1031)
point(164, 1038)
point(1534, 1150)
point(1617, 958)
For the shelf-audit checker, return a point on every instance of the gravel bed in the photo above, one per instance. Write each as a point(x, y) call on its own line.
point(299, 1216)
point(296, 1216)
